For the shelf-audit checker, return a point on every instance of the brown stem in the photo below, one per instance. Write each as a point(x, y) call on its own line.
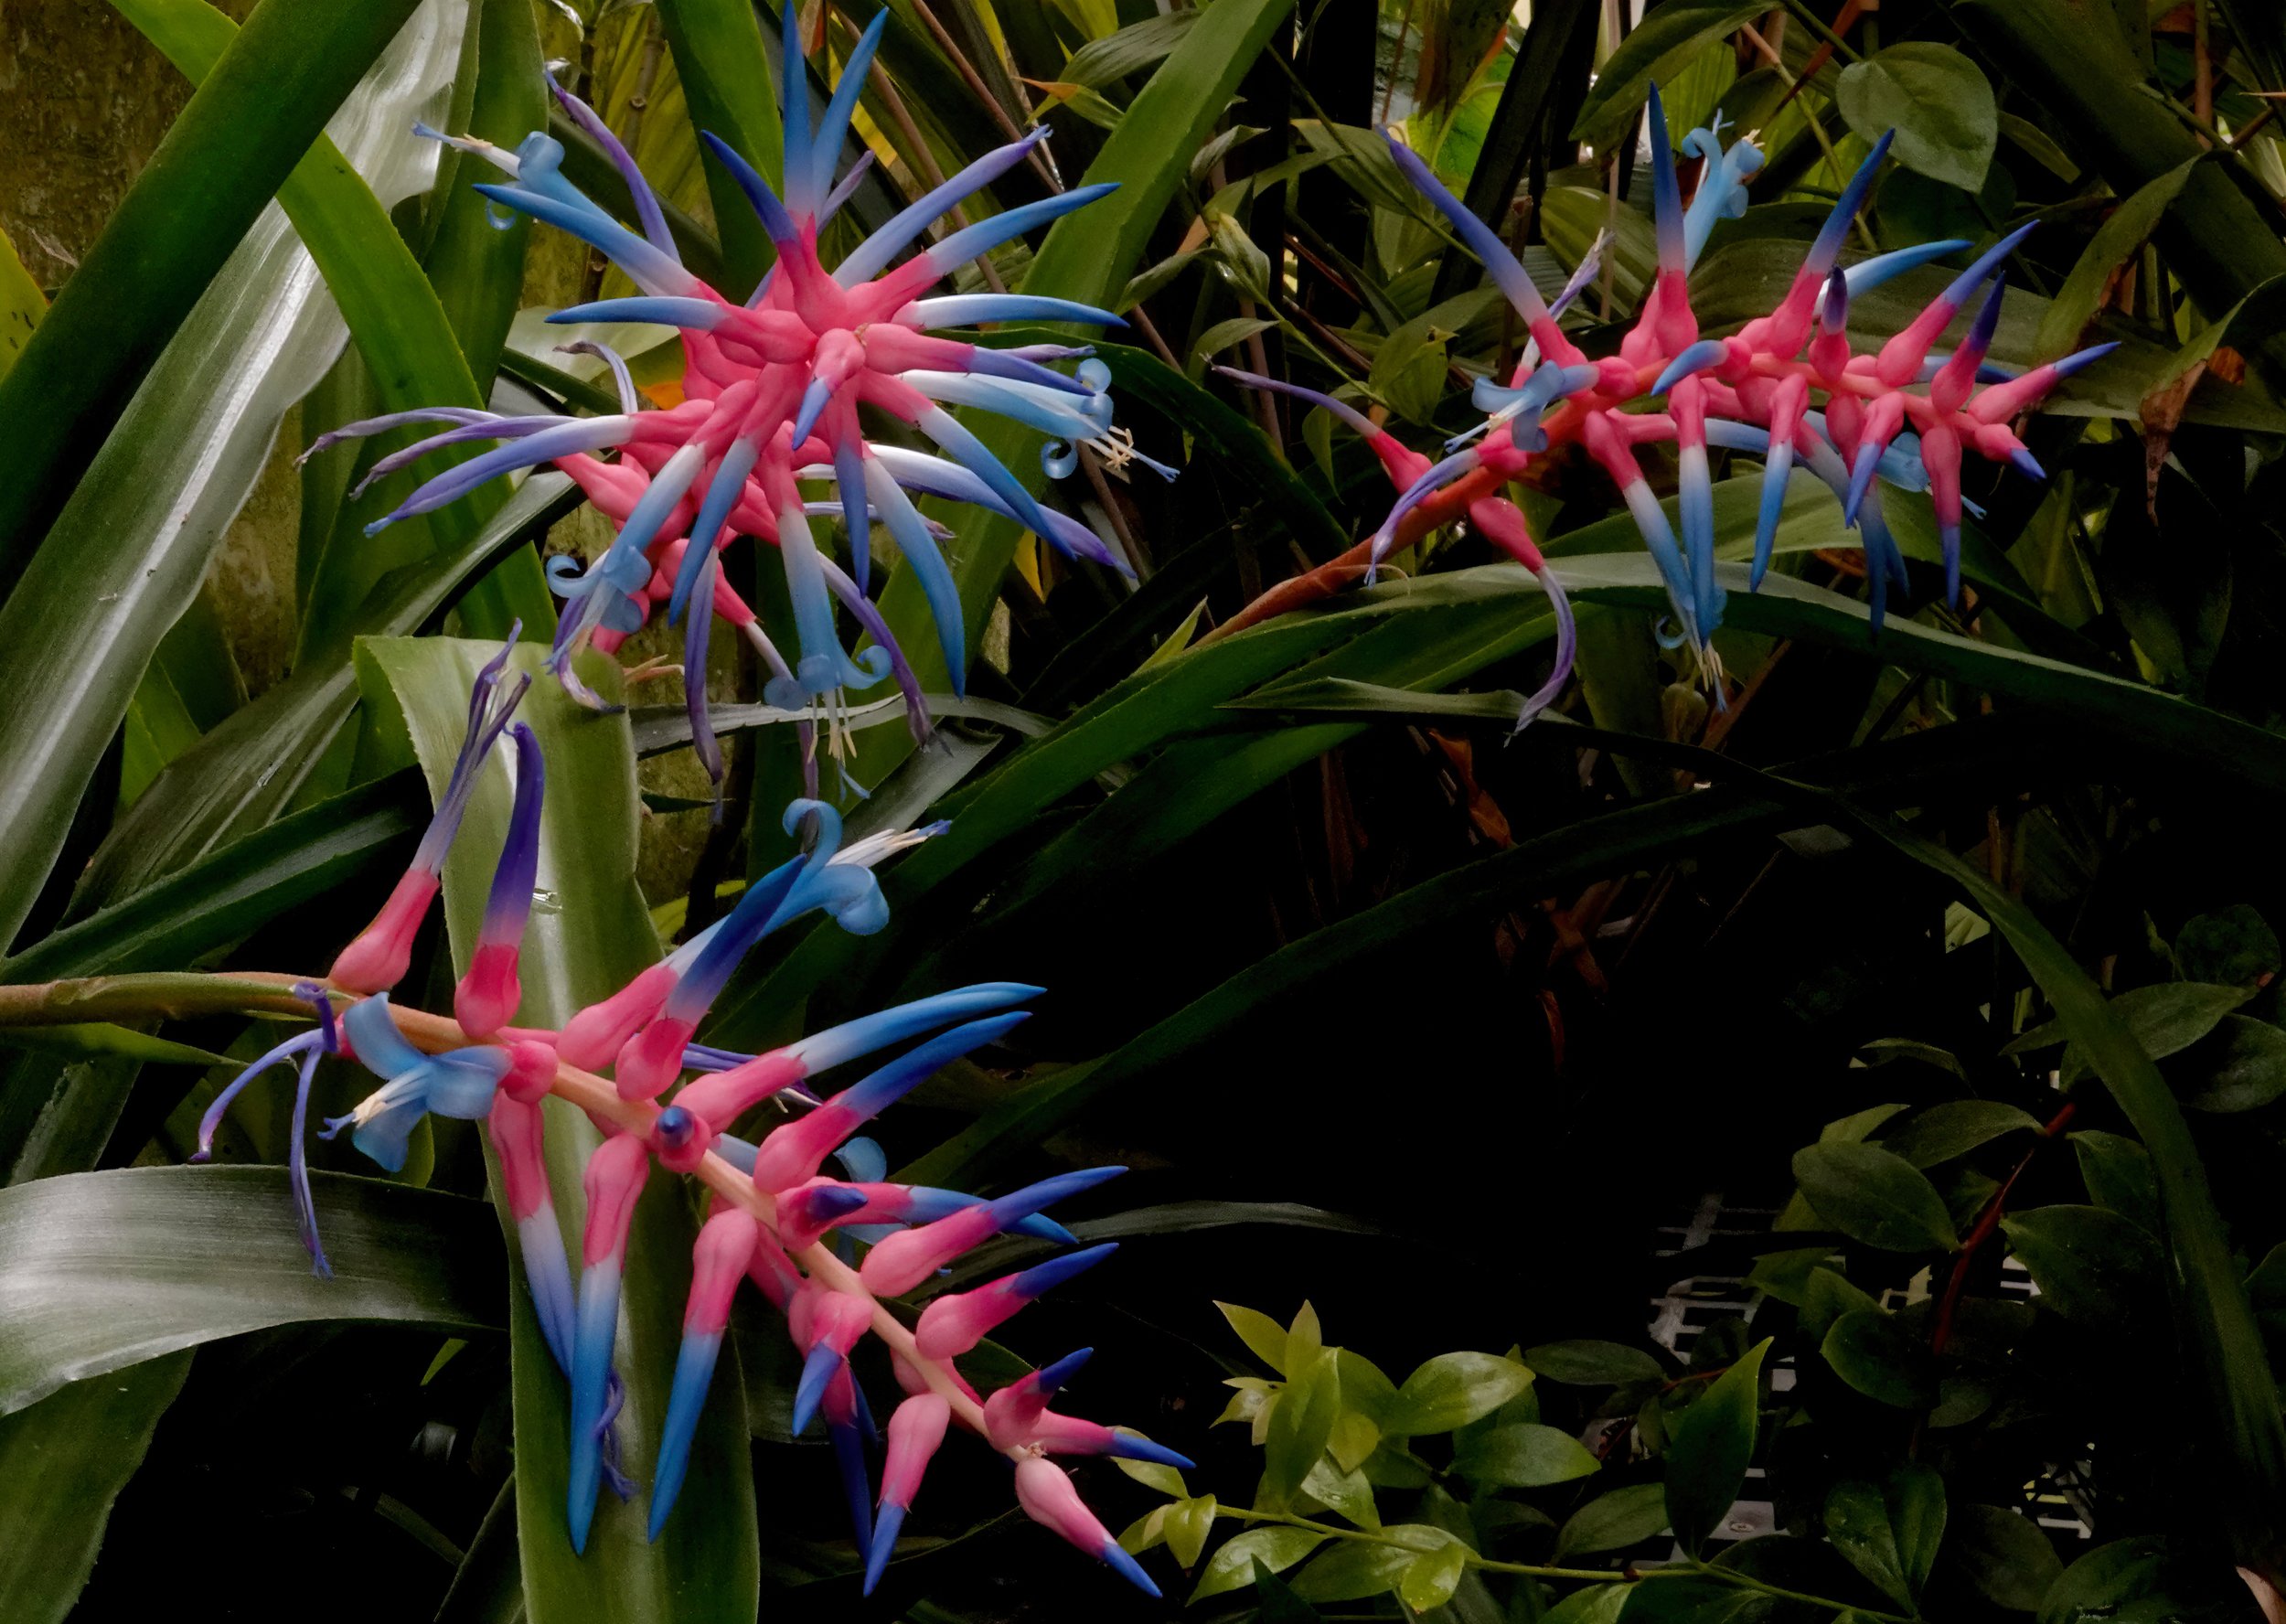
point(1987, 1225)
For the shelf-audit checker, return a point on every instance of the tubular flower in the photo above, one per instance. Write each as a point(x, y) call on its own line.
point(824, 1250)
point(1787, 386)
point(771, 393)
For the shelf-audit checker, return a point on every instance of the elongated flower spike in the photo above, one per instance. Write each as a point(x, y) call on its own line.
point(1011, 1413)
point(724, 1252)
point(376, 959)
point(915, 1431)
point(953, 1324)
point(616, 1175)
point(488, 994)
point(1045, 1490)
point(1905, 415)
point(770, 397)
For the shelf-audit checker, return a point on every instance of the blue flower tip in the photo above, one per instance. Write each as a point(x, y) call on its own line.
point(1128, 1568)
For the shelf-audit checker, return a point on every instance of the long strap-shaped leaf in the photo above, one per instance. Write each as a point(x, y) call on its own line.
point(103, 1270)
point(592, 936)
point(268, 97)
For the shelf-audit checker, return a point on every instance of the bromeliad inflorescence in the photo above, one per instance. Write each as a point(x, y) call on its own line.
point(825, 1248)
point(771, 390)
point(1787, 386)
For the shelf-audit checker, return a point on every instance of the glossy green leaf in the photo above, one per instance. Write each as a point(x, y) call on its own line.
point(2118, 1174)
point(2100, 1584)
point(1353, 1570)
point(1452, 1390)
point(1598, 1603)
point(728, 77)
point(243, 773)
point(1953, 1128)
point(1874, 1196)
point(102, 1270)
point(1655, 50)
point(1586, 1363)
point(1301, 1425)
point(1263, 1335)
point(2003, 1554)
point(266, 99)
point(1857, 1521)
point(62, 1462)
point(1878, 1357)
point(223, 897)
point(2092, 1265)
point(131, 547)
point(488, 1586)
point(2118, 238)
point(1610, 1521)
point(1232, 1568)
point(104, 1038)
point(1524, 1455)
point(2231, 947)
point(2242, 1066)
point(1431, 1579)
point(1939, 103)
point(595, 936)
point(1709, 1448)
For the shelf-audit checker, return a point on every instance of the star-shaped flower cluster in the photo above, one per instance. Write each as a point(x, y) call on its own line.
point(772, 389)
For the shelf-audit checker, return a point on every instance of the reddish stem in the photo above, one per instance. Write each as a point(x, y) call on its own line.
point(1987, 1225)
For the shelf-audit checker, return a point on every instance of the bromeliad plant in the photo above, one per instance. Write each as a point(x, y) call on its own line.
point(1786, 385)
point(770, 389)
point(778, 1222)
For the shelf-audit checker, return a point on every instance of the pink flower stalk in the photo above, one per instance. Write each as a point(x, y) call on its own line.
point(376, 958)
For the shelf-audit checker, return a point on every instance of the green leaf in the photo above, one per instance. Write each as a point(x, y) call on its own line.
point(1101, 63)
point(2003, 1554)
point(243, 773)
point(1354, 1569)
point(1857, 1521)
point(488, 1586)
point(221, 898)
point(1874, 1196)
point(1610, 1521)
point(2117, 1172)
point(1598, 1603)
point(1431, 1579)
point(1875, 1354)
point(1300, 1426)
point(2099, 1584)
point(2092, 1266)
point(1344, 1491)
point(727, 75)
point(1586, 1363)
point(1656, 48)
point(705, 1565)
point(1915, 1495)
point(1263, 1336)
point(2231, 947)
point(102, 1270)
point(1524, 1455)
point(1939, 104)
point(22, 305)
point(267, 99)
point(1710, 1446)
point(62, 1462)
point(1222, 335)
point(101, 1037)
point(1452, 1390)
point(1189, 1524)
point(135, 539)
point(1233, 1566)
point(1954, 1128)
point(2118, 238)
point(2242, 1066)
